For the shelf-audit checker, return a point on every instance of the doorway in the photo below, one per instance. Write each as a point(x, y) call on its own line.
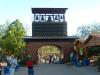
point(50, 54)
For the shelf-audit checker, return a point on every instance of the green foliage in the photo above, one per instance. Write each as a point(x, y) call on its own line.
point(98, 64)
point(2, 43)
point(23, 61)
point(49, 49)
point(3, 28)
point(85, 30)
point(95, 50)
point(13, 37)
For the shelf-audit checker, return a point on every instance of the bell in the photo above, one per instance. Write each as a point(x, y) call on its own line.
point(36, 17)
point(42, 18)
point(61, 17)
point(49, 19)
point(56, 17)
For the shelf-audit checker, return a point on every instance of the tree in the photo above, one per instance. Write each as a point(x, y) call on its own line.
point(3, 28)
point(13, 37)
point(85, 30)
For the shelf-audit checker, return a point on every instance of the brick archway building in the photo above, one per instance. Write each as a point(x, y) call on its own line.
point(49, 27)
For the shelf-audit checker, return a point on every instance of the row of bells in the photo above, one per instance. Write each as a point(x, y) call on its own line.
point(49, 17)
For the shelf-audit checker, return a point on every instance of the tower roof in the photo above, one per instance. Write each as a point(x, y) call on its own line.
point(49, 10)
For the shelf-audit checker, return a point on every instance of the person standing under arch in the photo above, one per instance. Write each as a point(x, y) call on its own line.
point(29, 64)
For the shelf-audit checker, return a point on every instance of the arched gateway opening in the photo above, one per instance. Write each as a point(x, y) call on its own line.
point(50, 54)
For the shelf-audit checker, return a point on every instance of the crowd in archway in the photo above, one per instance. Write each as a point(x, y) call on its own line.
point(55, 58)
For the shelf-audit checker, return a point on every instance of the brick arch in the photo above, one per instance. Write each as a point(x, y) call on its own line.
point(32, 48)
point(53, 45)
point(61, 49)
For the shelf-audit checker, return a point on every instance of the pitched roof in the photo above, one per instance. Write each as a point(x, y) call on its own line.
point(49, 37)
point(92, 35)
point(96, 35)
point(79, 40)
point(49, 10)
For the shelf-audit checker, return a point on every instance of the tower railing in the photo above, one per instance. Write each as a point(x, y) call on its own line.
point(48, 18)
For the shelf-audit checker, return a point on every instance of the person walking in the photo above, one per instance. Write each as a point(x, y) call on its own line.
point(71, 56)
point(13, 63)
point(6, 68)
point(29, 64)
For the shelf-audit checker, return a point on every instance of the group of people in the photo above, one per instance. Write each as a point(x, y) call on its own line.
point(79, 59)
point(49, 59)
point(9, 68)
point(12, 63)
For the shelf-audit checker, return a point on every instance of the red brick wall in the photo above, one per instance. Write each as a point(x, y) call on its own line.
point(32, 48)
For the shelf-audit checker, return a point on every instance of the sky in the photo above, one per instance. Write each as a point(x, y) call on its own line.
point(80, 12)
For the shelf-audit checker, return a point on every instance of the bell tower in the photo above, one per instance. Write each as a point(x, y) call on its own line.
point(49, 22)
point(49, 28)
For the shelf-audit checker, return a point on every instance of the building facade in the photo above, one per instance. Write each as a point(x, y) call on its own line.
point(49, 28)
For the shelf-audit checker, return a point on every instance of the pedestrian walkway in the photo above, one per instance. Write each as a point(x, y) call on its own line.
point(59, 69)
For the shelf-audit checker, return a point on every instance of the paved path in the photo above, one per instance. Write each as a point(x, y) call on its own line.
point(59, 69)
